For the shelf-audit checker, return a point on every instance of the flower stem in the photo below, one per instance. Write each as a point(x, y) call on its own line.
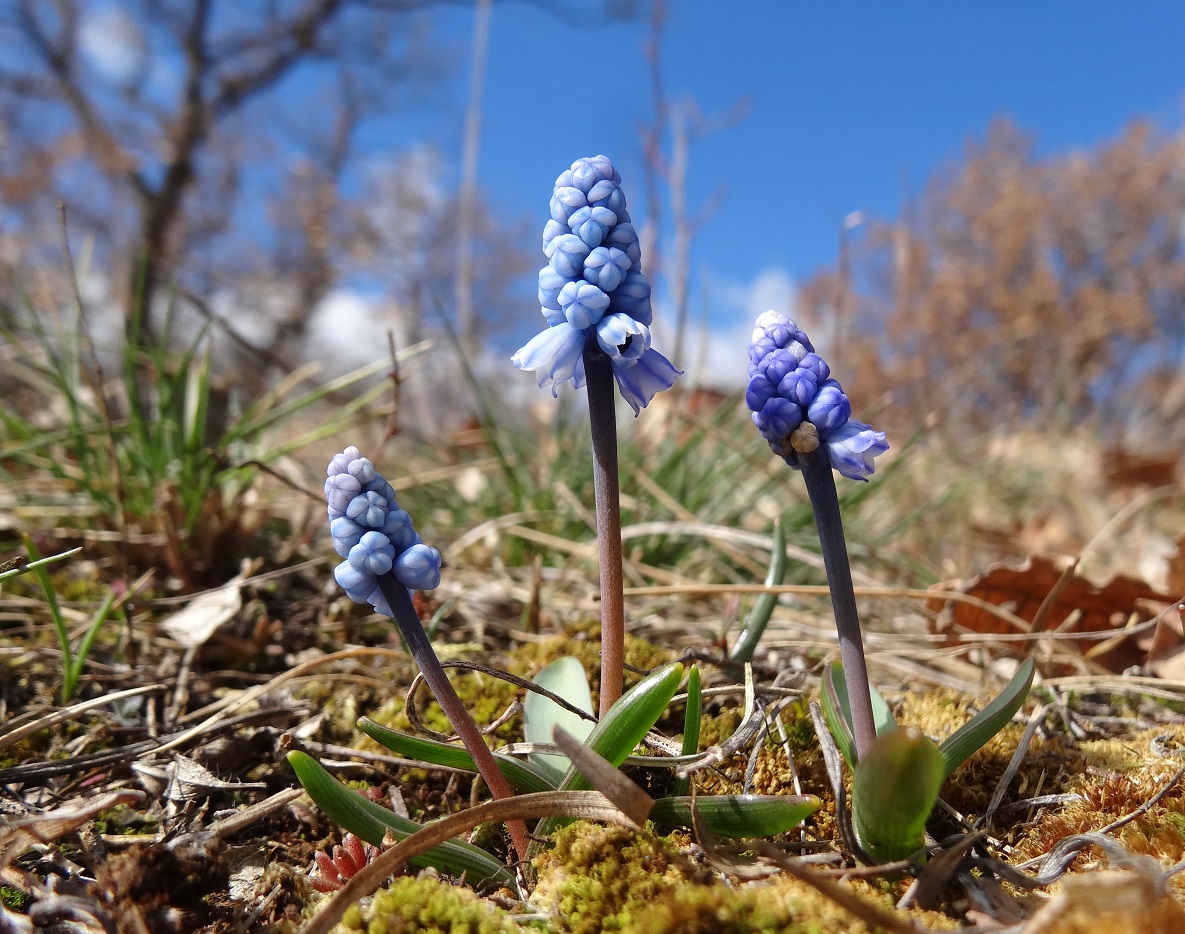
point(820, 487)
point(458, 715)
point(602, 412)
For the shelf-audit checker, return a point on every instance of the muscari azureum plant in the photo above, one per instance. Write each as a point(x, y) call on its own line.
point(807, 419)
point(385, 560)
point(596, 301)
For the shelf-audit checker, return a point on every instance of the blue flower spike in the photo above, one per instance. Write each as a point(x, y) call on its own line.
point(594, 273)
point(806, 418)
point(596, 302)
point(385, 561)
point(790, 387)
point(373, 534)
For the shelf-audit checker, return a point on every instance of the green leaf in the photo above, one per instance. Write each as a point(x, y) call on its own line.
point(763, 607)
point(523, 777)
point(837, 711)
point(894, 790)
point(960, 745)
point(371, 822)
point(621, 729)
point(737, 815)
point(565, 677)
point(628, 721)
point(692, 715)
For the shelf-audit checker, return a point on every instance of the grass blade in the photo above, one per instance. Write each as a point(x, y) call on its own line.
point(763, 608)
point(34, 565)
point(73, 669)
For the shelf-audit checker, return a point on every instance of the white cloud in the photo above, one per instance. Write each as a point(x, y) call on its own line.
point(717, 357)
point(338, 322)
point(112, 43)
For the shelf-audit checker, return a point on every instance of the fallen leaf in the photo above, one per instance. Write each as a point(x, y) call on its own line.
point(1176, 568)
point(203, 615)
point(1166, 647)
point(1079, 606)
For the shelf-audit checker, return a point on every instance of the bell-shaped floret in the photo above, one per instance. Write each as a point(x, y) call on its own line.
point(623, 339)
point(632, 298)
point(568, 256)
point(555, 355)
point(851, 449)
point(606, 267)
point(830, 409)
point(583, 304)
point(418, 568)
point(651, 373)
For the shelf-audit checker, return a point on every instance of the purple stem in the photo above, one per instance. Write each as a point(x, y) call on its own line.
point(598, 371)
point(820, 487)
point(404, 612)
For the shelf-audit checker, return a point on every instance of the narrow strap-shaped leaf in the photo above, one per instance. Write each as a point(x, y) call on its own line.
point(834, 695)
point(960, 745)
point(838, 711)
point(763, 606)
point(565, 677)
point(371, 822)
point(523, 777)
point(743, 816)
point(628, 721)
point(623, 727)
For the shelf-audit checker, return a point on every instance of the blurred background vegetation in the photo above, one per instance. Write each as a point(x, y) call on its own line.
point(175, 249)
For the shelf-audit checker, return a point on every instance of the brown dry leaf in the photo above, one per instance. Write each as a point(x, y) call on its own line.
point(1111, 900)
point(1166, 647)
point(1123, 469)
point(1176, 563)
point(1107, 609)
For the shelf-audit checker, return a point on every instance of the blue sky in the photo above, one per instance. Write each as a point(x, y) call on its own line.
point(853, 106)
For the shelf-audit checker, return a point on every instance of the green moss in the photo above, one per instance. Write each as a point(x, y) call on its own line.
point(13, 899)
point(717, 910)
point(612, 879)
point(599, 878)
point(428, 905)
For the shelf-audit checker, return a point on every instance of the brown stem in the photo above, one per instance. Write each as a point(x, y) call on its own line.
point(603, 415)
point(421, 649)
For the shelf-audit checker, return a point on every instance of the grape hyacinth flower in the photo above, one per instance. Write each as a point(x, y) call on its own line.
point(592, 292)
point(596, 301)
point(373, 534)
point(807, 419)
point(790, 389)
point(385, 560)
